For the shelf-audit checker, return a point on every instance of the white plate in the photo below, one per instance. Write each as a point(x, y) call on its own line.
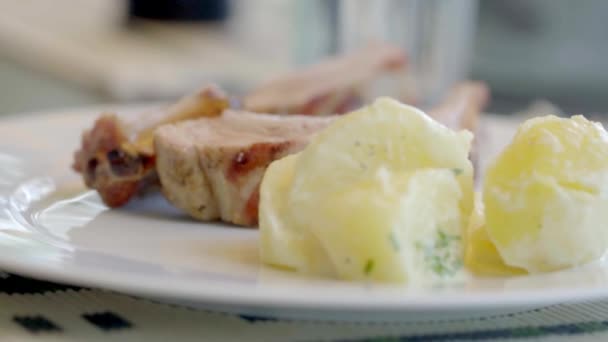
point(51, 227)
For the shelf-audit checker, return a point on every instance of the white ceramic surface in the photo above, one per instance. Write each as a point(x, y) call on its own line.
point(51, 227)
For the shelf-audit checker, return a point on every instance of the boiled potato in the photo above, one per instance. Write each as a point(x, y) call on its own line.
point(282, 243)
point(385, 134)
point(481, 256)
point(394, 227)
point(546, 195)
point(382, 194)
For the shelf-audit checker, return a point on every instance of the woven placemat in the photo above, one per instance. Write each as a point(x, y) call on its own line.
point(33, 310)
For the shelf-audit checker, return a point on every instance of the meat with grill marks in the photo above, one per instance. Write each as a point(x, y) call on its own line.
point(212, 167)
point(334, 86)
point(116, 156)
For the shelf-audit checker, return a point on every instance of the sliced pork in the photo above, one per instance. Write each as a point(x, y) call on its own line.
point(116, 156)
point(212, 167)
point(329, 87)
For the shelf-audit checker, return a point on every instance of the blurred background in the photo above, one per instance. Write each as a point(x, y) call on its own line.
point(65, 53)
